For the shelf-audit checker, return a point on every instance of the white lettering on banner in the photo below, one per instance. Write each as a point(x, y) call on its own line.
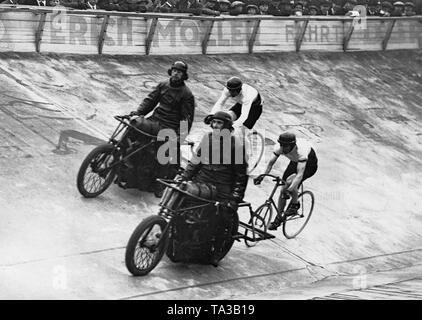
point(170, 34)
point(189, 33)
point(334, 32)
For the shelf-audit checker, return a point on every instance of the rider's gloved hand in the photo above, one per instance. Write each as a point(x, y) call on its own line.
point(232, 204)
point(179, 178)
point(208, 118)
point(258, 180)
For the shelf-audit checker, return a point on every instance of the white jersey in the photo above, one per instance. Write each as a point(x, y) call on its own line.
point(299, 153)
point(246, 96)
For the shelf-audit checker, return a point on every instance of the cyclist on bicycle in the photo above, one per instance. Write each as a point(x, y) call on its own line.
point(303, 165)
point(176, 104)
point(247, 107)
point(220, 161)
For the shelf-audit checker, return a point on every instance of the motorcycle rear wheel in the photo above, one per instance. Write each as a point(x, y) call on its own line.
point(231, 231)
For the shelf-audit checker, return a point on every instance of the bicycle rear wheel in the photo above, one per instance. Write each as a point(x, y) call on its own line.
point(293, 225)
point(260, 219)
point(256, 150)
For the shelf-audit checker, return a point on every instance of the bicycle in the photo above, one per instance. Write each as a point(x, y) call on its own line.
point(262, 216)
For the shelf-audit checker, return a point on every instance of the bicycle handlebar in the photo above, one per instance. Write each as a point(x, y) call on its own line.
point(276, 178)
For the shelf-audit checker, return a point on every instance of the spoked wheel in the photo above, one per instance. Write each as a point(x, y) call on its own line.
point(293, 225)
point(256, 143)
point(231, 231)
point(146, 246)
point(95, 174)
point(260, 220)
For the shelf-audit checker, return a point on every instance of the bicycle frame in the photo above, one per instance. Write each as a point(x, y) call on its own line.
point(279, 183)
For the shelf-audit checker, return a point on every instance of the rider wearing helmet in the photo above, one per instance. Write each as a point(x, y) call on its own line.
point(175, 99)
point(303, 165)
point(247, 101)
point(220, 161)
point(225, 167)
point(176, 104)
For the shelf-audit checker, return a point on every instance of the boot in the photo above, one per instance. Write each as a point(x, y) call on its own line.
point(292, 209)
point(277, 221)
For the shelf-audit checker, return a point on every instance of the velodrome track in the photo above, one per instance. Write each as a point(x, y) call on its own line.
point(362, 111)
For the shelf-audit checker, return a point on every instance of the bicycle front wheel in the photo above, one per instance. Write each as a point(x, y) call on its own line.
point(293, 225)
point(260, 219)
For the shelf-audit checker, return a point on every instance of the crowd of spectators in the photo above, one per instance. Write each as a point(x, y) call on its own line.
point(234, 7)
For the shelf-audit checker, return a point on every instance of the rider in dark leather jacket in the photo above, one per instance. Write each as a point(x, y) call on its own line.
point(221, 161)
point(176, 101)
point(176, 104)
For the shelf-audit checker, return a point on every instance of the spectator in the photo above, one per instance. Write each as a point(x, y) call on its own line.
point(78, 4)
point(90, 5)
point(325, 8)
point(211, 4)
point(40, 3)
point(54, 3)
point(386, 9)
point(136, 6)
point(189, 6)
point(141, 6)
point(10, 2)
point(305, 6)
point(349, 5)
point(398, 10)
point(373, 8)
point(409, 9)
point(252, 9)
point(196, 7)
point(167, 7)
point(313, 10)
point(110, 5)
point(211, 8)
point(236, 8)
point(298, 9)
point(224, 6)
point(337, 8)
point(418, 6)
point(274, 7)
point(285, 8)
point(69, 3)
point(264, 6)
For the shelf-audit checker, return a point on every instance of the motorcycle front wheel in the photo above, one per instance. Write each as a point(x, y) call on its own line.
point(146, 246)
point(95, 174)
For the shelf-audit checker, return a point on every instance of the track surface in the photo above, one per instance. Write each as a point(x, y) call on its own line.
point(360, 110)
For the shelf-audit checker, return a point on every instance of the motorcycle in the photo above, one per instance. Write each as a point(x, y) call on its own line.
point(190, 227)
point(128, 159)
